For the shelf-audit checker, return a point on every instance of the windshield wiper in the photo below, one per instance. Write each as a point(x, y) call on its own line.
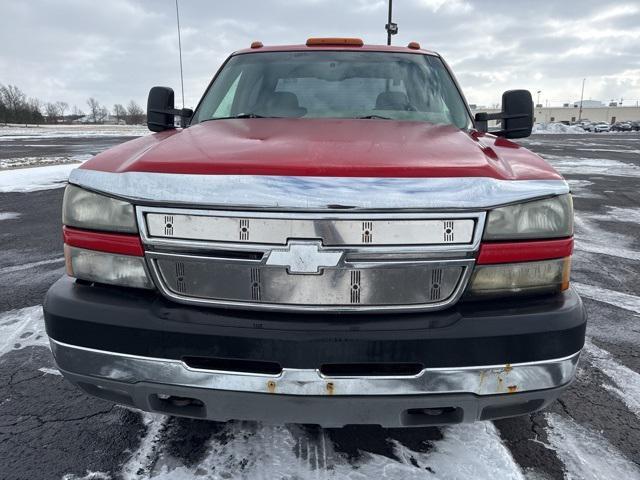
point(250, 115)
point(240, 115)
point(364, 117)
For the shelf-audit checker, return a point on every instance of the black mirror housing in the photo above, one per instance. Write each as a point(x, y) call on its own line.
point(160, 109)
point(517, 107)
point(516, 115)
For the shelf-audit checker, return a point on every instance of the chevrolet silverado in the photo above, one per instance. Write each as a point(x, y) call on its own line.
point(330, 237)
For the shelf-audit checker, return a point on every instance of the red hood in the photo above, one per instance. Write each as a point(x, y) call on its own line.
point(325, 147)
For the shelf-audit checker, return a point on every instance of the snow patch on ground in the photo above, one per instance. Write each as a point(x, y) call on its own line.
point(470, 451)
point(27, 266)
point(617, 299)
point(593, 166)
point(9, 215)
point(618, 214)
point(34, 179)
point(587, 455)
point(581, 188)
point(590, 238)
point(252, 450)
point(626, 382)
point(143, 459)
point(615, 150)
point(50, 371)
point(22, 162)
point(22, 328)
point(556, 128)
point(89, 476)
point(55, 131)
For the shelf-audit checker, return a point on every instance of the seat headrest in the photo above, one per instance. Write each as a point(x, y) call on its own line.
point(392, 101)
point(283, 104)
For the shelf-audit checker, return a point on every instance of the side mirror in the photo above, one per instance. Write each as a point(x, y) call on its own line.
point(516, 115)
point(161, 112)
point(160, 109)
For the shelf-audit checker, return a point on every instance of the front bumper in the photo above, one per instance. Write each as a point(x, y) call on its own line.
point(479, 361)
point(433, 397)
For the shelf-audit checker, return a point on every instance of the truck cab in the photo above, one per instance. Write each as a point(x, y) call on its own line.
point(330, 237)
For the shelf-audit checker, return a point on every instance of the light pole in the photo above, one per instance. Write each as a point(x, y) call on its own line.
point(390, 27)
point(581, 97)
point(538, 101)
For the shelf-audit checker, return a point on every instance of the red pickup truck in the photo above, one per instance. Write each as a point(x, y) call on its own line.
point(330, 238)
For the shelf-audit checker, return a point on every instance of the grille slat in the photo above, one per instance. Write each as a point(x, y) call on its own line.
point(359, 262)
point(277, 231)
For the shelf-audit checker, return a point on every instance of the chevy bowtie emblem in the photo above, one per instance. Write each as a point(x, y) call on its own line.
point(304, 257)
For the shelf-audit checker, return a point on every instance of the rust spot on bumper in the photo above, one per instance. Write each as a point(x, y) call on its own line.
point(271, 386)
point(330, 388)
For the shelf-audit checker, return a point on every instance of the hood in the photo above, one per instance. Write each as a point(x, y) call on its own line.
point(325, 147)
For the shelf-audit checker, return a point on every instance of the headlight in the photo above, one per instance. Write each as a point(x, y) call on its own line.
point(102, 267)
point(520, 278)
point(101, 241)
point(84, 209)
point(548, 218)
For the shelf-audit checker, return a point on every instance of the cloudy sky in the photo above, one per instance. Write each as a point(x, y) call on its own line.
point(116, 50)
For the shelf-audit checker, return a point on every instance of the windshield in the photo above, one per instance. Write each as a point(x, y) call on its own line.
point(335, 84)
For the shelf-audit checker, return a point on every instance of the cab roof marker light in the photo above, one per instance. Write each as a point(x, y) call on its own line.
point(414, 46)
point(256, 44)
point(317, 42)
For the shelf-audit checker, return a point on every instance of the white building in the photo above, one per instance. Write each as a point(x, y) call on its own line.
point(571, 114)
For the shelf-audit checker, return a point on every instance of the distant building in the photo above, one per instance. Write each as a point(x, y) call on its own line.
point(108, 120)
point(571, 113)
point(589, 104)
point(595, 114)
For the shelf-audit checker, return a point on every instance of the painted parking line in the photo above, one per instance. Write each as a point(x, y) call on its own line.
point(586, 454)
point(617, 299)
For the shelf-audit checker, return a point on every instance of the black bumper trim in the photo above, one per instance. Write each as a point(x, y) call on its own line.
point(144, 323)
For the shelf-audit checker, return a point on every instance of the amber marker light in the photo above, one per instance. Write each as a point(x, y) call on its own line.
point(318, 42)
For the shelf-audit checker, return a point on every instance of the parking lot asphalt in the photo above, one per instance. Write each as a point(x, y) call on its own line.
point(50, 430)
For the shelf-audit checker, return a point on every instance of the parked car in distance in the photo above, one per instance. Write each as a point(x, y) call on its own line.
point(588, 126)
point(621, 127)
point(635, 126)
point(601, 127)
point(331, 238)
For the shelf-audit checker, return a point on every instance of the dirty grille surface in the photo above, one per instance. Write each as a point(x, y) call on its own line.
point(237, 281)
point(297, 261)
point(331, 231)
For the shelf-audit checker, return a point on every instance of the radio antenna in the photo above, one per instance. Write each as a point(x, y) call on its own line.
point(180, 52)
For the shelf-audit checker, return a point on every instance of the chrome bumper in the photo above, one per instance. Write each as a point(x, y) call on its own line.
point(480, 380)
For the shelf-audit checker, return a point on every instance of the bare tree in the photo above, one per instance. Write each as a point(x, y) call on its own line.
point(76, 112)
point(62, 107)
point(14, 101)
point(3, 111)
point(94, 109)
point(103, 113)
point(51, 111)
point(119, 112)
point(135, 114)
point(35, 110)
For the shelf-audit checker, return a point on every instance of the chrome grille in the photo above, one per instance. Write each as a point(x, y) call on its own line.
point(310, 261)
point(277, 231)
